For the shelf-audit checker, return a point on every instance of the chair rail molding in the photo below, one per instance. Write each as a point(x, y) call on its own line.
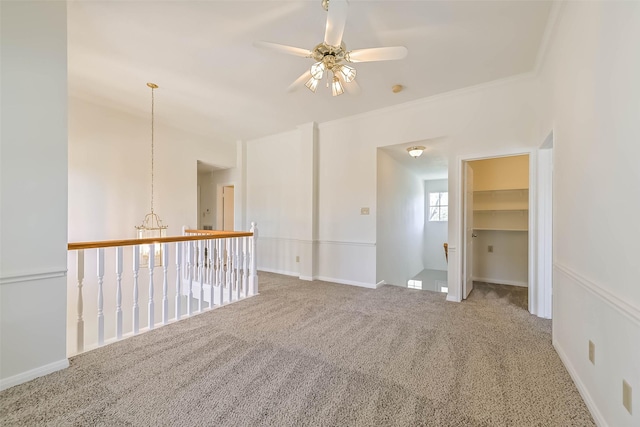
point(615, 302)
point(33, 275)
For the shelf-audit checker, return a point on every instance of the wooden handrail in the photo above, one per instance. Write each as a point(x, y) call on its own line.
point(206, 231)
point(205, 235)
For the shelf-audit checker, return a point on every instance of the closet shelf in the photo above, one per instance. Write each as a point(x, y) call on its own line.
point(500, 229)
point(501, 210)
point(509, 190)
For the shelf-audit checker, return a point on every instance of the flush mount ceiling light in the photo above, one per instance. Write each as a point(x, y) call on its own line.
point(330, 54)
point(415, 151)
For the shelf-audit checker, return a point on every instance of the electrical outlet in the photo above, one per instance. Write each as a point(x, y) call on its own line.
point(626, 396)
point(297, 258)
point(364, 211)
point(490, 249)
point(592, 352)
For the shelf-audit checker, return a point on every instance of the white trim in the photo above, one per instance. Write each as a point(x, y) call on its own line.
point(345, 243)
point(452, 298)
point(555, 14)
point(501, 282)
point(614, 301)
point(307, 278)
point(33, 276)
point(549, 32)
point(287, 239)
point(582, 389)
point(380, 283)
point(32, 374)
point(276, 271)
point(346, 282)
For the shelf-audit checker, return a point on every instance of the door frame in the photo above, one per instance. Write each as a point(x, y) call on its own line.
point(456, 282)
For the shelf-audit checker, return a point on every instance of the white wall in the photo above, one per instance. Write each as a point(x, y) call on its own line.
point(110, 172)
point(590, 78)
point(508, 263)
point(483, 120)
point(400, 227)
point(33, 180)
point(435, 232)
point(273, 199)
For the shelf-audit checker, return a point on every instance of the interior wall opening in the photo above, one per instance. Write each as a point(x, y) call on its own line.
point(412, 216)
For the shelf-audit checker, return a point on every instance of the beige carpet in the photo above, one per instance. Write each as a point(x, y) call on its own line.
point(316, 354)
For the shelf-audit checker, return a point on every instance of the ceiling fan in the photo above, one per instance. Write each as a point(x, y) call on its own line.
point(332, 53)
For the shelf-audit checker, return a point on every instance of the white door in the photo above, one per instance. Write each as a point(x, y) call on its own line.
point(467, 285)
point(227, 208)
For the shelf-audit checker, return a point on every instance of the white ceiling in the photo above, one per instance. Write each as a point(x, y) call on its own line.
point(214, 82)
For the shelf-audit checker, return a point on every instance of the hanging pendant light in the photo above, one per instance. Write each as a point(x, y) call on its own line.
point(151, 226)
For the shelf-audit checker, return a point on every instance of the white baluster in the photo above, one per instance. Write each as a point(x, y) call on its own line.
point(200, 274)
point(209, 262)
point(245, 278)
point(178, 273)
point(80, 322)
point(152, 264)
point(190, 276)
point(237, 266)
point(253, 278)
point(228, 279)
point(165, 283)
point(210, 272)
point(220, 270)
point(119, 292)
point(136, 309)
point(100, 296)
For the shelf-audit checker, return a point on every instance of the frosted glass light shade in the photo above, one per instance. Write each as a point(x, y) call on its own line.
point(336, 87)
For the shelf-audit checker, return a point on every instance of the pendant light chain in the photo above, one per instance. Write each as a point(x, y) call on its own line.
point(152, 117)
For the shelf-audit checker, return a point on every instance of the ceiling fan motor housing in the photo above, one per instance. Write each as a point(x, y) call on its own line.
point(326, 53)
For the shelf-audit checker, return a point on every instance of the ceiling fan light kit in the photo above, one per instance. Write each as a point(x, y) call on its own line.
point(330, 54)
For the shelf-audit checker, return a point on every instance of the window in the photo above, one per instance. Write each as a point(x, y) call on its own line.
point(439, 206)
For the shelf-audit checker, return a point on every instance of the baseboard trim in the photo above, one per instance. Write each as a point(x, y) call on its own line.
point(276, 271)
point(501, 282)
point(32, 374)
point(346, 282)
point(33, 276)
point(582, 389)
point(615, 302)
point(380, 283)
point(452, 298)
point(307, 278)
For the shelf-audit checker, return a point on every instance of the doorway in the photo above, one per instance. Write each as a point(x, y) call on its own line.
point(412, 209)
point(227, 203)
point(497, 207)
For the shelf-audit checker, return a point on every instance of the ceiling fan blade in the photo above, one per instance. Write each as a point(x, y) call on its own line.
point(297, 51)
point(377, 54)
point(336, 20)
point(300, 81)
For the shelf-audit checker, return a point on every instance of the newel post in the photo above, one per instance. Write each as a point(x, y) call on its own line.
point(253, 273)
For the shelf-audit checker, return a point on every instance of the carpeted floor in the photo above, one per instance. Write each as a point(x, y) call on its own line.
point(318, 354)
